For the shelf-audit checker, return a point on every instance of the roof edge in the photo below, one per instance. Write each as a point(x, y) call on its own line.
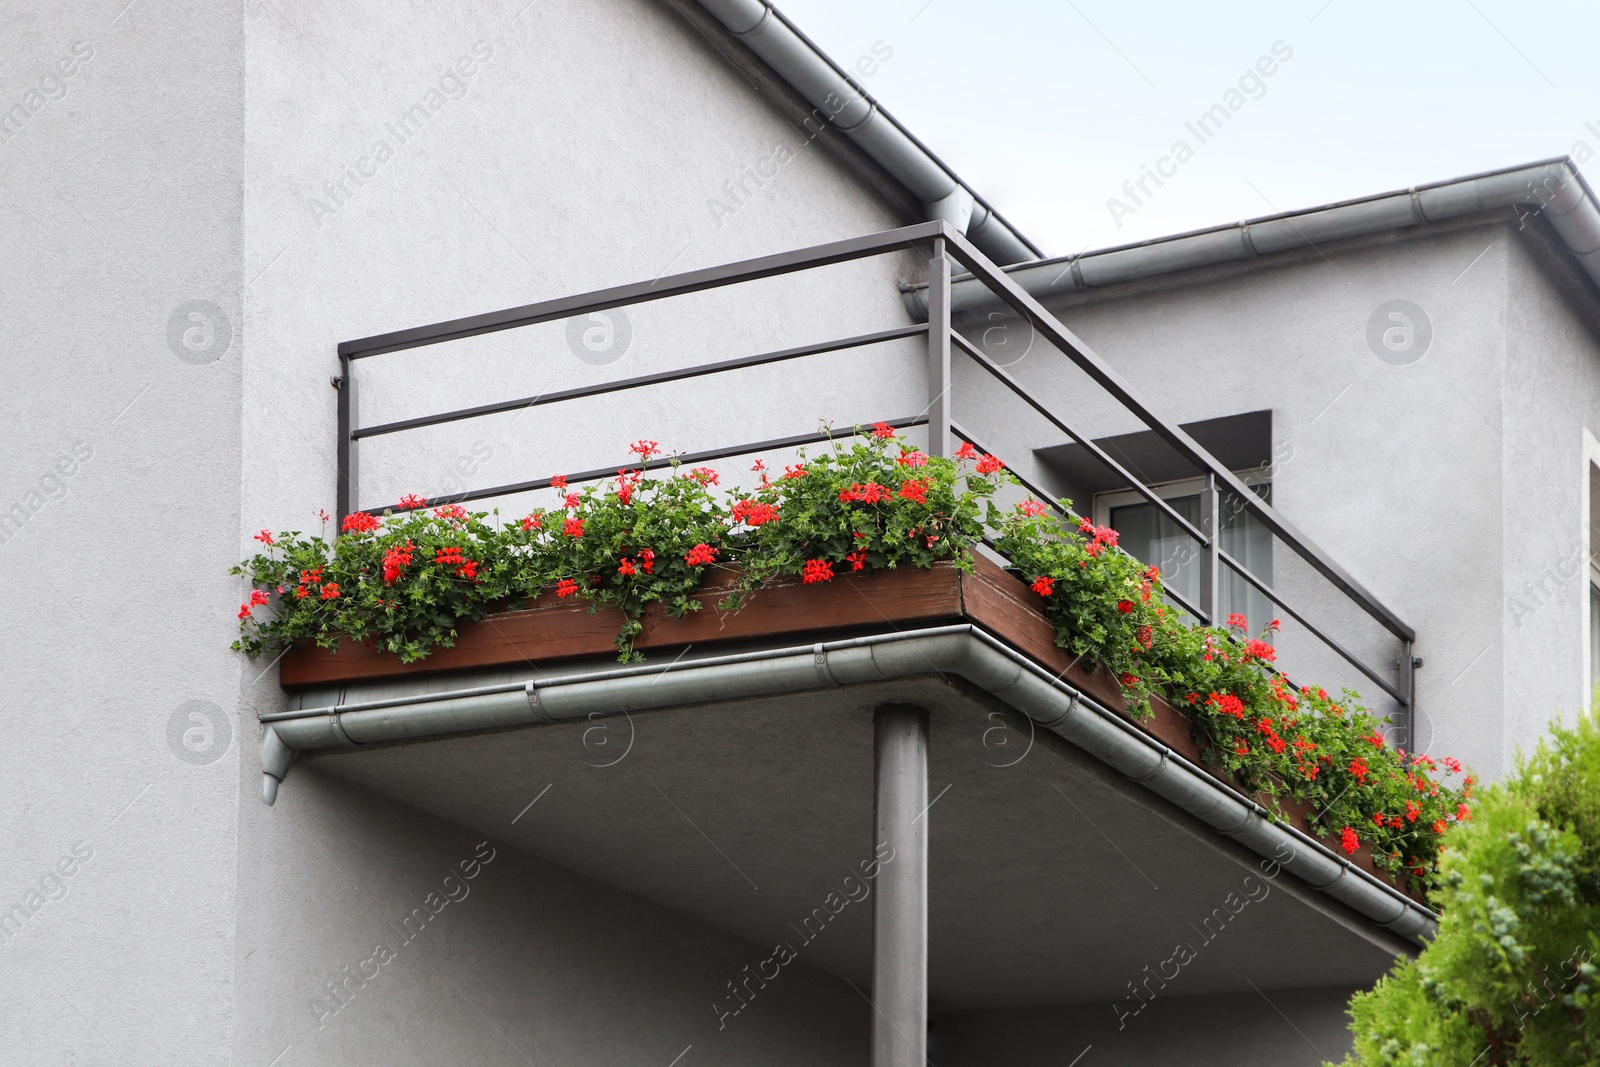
point(844, 104)
point(1552, 188)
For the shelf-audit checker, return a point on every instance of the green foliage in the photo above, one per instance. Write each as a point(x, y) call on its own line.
point(1511, 978)
point(875, 505)
point(1325, 753)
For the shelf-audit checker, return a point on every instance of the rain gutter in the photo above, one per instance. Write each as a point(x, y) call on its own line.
point(840, 101)
point(1552, 190)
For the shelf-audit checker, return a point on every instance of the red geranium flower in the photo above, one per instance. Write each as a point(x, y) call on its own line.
point(1125, 606)
point(966, 451)
point(1237, 622)
point(533, 522)
point(1044, 585)
point(1348, 840)
point(565, 588)
point(572, 527)
point(559, 482)
point(412, 501)
point(645, 449)
point(265, 537)
point(858, 559)
point(816, 570)
point(451, 511)
point(330, 591)
point(915, 490)
point(1031, 507)
point(360, 522)
point(700, 555)
point(989, 464)
point(882, 430)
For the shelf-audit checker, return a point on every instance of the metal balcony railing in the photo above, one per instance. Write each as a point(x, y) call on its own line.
point(940, 245)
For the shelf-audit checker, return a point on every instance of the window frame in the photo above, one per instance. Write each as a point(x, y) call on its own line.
point(1182, 487)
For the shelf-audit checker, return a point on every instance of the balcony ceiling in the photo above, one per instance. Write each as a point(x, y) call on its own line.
point(1053, 879)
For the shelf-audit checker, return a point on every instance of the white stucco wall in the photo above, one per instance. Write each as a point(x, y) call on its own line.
point(121, 445)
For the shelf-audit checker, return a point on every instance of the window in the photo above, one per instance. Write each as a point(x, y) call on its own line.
point(1149, 535)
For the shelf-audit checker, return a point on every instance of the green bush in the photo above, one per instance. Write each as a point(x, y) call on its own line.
point(1511, 977)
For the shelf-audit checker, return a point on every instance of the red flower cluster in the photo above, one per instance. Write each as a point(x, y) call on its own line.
point(1238, 622)
point(559, 482)
point(868, 493)
point(627, 482)
point(411, 502)
point(565, 588)
point(1100, 537)
point(265, 537)
point(451, 511)
point(330, 591)
point(1359, 768)
point(1227, 704)
point(915, 490)
point(646, 449)
point(1044, 585)
point(359, 523)
point(816, 570)
point(857, 559)
point(257, 598)
point(910, 457)
point(882, 430)
point(534, 521)
point(1348, 840)
point(797, 470)
point(395, 560)
point(452, 557)
point(754, 513)
point(704, 475)
point(1125, 606)
point(572, 527)
point(966, 451)
point(1259, 650)
point(1031, 508)
point(988, 464)
point(700, 555)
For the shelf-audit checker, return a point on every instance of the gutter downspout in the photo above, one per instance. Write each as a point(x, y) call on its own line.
point(1552, 189)
point(841, 101)
point(959, 649)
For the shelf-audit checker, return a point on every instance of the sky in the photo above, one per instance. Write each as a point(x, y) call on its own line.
point(1047, 107)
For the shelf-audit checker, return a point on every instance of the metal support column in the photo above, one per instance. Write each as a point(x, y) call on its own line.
point(939, 413)
point(345, 491)
point(1408, 686)
point(900, 908)
point(1211, 552)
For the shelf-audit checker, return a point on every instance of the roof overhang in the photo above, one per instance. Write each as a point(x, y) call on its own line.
point(1552, 191)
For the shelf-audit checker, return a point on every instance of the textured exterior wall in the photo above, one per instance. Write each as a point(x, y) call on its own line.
point(119, 428)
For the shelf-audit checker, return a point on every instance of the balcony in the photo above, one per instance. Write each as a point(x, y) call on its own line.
point(1028, 842)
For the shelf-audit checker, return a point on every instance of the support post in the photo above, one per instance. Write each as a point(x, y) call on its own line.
point(939, 411)
point(900, 906)
point(345, 492)
point(1408, 686)
point(1211, 555)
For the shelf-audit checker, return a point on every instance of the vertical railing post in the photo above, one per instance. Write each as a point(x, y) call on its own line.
point(939, 412)
point(900, 907)
point(1211, 554)
point(1408, 686)
point(345, 493)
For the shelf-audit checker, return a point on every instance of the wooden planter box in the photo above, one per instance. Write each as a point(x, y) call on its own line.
point(990, 598)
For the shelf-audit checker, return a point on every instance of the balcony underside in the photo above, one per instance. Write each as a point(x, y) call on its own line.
point(1053, 879)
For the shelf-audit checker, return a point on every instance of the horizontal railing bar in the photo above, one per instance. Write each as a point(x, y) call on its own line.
point(691, 457)
point(1289, 610)
point(683, 374)
point(1093, 449)
point(694, 281)
point(1097, 369)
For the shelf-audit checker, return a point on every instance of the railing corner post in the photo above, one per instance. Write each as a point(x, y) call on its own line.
point(939, 410)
